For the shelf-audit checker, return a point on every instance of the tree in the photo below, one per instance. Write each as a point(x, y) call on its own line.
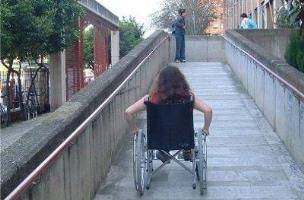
point(282, 20)
point(199, 14)
point(296, 13)
point(33, 29)
point(292, 15)
point(88, 40)
point(131, 33)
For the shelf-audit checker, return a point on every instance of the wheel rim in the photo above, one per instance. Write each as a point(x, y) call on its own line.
point(205, 165)
point(202, 163)
point(134, 162)
point(142, 166)
point(149, 168)
point(139, 162)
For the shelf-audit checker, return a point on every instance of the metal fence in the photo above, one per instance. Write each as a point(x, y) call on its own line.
point(38, 97)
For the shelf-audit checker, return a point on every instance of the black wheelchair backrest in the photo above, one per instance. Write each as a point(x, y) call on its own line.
point(170, 126)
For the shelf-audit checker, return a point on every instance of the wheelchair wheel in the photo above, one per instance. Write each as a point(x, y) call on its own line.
point(149, 168)
point(202, 163)
point(139, 162)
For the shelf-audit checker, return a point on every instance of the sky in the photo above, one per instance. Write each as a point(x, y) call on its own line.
point(140, 9)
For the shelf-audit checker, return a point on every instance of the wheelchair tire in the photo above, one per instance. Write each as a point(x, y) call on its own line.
point(149, 168)
point(139, 162)
point(202, 163)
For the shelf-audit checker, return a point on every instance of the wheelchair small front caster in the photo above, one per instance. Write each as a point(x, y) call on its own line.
point(194, 186)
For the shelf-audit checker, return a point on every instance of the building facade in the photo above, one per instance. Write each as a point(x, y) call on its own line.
point(263, 12)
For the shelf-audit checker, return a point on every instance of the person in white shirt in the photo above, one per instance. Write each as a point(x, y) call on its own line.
point(247, 23)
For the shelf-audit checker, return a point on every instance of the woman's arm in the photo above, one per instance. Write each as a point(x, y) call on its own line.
point(203, 107)
point(133, 109)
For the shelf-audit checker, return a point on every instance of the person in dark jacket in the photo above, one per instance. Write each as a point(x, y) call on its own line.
point(180, 30)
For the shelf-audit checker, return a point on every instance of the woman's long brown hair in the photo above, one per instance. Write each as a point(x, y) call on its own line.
point(170, 84)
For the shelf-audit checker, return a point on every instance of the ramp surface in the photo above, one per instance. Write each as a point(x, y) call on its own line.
point(246, 159)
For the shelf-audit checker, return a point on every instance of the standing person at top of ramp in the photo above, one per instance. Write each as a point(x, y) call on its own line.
point(180, 30)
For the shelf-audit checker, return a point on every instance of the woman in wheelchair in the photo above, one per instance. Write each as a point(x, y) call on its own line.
point(170, 88)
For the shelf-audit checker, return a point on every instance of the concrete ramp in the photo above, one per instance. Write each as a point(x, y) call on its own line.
point(246, 159)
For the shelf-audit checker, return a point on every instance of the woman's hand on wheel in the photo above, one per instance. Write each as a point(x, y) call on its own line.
point(205, 131)
point(135, 131)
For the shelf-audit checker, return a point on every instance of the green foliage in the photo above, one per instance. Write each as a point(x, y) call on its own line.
point(283, 19)
point(291, 15)
point(88, 40)
point(131, 33)
point(296, 13)
point(65, 21)
point(300, 61)
point(294, 54)
point(33, 28)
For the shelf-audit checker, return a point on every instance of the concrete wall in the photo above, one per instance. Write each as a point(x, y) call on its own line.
point(202, 48)
point(272, 40)
point(79, 171)
point(281, 105)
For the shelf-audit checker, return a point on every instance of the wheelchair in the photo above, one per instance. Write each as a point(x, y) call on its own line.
point(169, 128)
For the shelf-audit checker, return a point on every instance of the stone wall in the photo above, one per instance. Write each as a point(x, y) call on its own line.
point(272, 40)
point(276, 87)
point(78, 172)
point(202, 48)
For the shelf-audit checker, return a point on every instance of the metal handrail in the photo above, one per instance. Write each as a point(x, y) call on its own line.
point(32, 177)
point(294, 89)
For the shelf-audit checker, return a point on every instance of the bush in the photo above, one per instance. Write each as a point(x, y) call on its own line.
point(300, 61)
point(131, 33)
point(294, 53)
point(283, 18)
